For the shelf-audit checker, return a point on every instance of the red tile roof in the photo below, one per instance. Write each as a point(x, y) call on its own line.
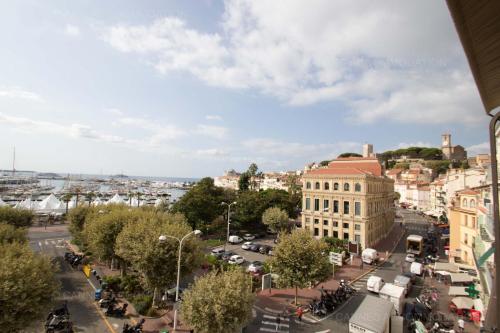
point(483, 210)
point(394, 171)
point(365, 164)
point(468, 192)
point(338, 171)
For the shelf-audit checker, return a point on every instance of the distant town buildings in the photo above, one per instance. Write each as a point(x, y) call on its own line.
point(368, 150)
point(349, 199)
point(268, 180)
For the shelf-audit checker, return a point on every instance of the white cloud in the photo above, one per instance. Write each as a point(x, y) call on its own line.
point(380, 59)
point(19, 93)
point(211, 152)
point(213, 117)
point(72, 30)
point(114, 111)
point(481, 148)
point(217, 132)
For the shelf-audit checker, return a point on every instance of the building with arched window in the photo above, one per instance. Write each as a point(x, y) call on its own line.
point(359, 206)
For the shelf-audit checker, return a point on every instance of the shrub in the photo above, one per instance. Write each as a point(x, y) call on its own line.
point(142, 303)
point(114, 282)
point(16, 217)
point(130, 285)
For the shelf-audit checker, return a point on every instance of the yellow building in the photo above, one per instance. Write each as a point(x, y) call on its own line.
point(463, 226)
point(349, 199)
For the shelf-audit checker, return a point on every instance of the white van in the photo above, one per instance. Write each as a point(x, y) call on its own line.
point(374, 284)
point(369, 256)
point(235, 239)
point(417, 268)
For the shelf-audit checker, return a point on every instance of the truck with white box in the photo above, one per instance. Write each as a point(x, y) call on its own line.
point(373, 315)
point(394, 294)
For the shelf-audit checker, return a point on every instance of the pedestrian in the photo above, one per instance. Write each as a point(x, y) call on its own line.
point(299, 313)
point(461, 325)
point(362, 263)
point(278, 322)
point(430, 273)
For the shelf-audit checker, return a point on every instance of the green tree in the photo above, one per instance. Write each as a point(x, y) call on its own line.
point(89, 196)
point(293, 184)
point(138, 244)
point(201, 204)
point(349, 155)
point(244, 182)
point(67, 198)
point(16, 217)
point(27, 286)
point(11, 234)
point(219, 302)
point(76, 218)
point(275, 218)
point(299, 259)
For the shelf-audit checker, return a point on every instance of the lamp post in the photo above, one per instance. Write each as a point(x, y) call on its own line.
point(228, 220)
point(163, 239)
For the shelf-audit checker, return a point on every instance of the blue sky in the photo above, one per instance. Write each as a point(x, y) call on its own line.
point(193, 88)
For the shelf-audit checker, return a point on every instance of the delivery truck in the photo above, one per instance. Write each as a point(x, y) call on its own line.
point(373, 315)
point(369, 256)
point(394, 294)
point(414, 244)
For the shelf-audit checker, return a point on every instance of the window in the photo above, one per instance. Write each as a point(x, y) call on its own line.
point(316, 232)
point(326, 205)
point(472, 203)
point(325, 222)
point(473, 222)
point(316, 205)
point(336, 186)
point(465, 239)
point(357, 208)
point(466, 220)
point(464, 203)
point(308, 220)
point(346, 207)
point(335, 234)
point(308, 203)
point(346, 187)
point(357, 187)
point(308, 185)
point(357, 227)
point(325, 233)
point(346, 235)
point(316, 221)
point(317, 186)
point(327, 186)
point(335, 206)
point(357, 238)
point(345, 225)
point(335, 224)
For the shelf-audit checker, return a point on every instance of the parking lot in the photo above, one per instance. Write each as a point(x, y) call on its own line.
point(249, 255)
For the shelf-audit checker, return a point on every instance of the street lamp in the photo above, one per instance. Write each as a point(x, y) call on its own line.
point(228, 220)
point(162, 239)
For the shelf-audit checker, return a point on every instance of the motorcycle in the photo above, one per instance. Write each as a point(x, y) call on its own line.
point(134, 329)
point(106, 302)
point(113, 311)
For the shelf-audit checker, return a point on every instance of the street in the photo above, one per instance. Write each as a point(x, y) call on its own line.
point(75, 289)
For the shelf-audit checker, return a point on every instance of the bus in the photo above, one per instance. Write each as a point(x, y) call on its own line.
point(415, 244)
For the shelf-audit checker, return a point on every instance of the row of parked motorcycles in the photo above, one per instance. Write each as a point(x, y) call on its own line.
point(331, 299)
point(108, 301)
point(73, 259)
point(58, 321)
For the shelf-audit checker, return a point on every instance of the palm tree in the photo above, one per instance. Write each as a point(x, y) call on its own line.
point(130, 196)
point(78, 190)
point(138, 194)
point(67, 198)
point(89, 197)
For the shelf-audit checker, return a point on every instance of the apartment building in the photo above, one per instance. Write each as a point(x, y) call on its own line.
point(348, 199)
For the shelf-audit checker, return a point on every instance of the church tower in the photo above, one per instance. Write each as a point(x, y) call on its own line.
point(446, 147)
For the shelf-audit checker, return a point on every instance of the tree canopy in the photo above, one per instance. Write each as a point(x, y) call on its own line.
point(138, 244)
point(426, 153)
point(27, 286)
point(349, 155)
point(244, 181)
point(219, 302)
point(11, 234)
point(16, 217)
point(275, 218)
point(300, 259)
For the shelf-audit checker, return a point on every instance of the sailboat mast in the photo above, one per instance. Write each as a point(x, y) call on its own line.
point(14, 162)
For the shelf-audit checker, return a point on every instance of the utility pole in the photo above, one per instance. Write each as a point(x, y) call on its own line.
point(228, 220)
point(14, 162)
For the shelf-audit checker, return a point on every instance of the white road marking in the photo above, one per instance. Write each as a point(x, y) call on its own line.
point(265, 329)
point(272, 310)
point(40, 244)
point(115, 325)
point(46, 242)
point(273, 317)
point(325, 331)
point(273, 323)
point(254, 313)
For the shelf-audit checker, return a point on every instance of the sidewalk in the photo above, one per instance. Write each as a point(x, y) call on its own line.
point(279, 299)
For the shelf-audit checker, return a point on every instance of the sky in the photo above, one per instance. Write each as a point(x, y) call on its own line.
point(192, 88)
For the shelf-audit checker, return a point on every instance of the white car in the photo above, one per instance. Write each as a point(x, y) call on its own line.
point(410, 257)
point(246, 245)
point(236, 260)
point(255, 266)
point(248, 237)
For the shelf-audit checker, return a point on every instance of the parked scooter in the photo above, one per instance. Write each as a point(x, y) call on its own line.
point(133, 329)
point(58, 320)
point(106, 302)
point(113, 311)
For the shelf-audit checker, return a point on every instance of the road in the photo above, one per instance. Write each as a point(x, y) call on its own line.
point(74, 286)
point(338, 321)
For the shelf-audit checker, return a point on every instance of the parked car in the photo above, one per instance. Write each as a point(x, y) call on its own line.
point(264, 249)
point(410, 257)
point(374, 284)
point(227, 255)
point(246, 245)
point(255, 266)
point(235, 239)
point(254, 247)
point(217, 252)
point(236, 260)
point(171, 293)
point(248, 237)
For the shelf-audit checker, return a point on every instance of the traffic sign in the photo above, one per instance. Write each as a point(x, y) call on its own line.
point(336, 258)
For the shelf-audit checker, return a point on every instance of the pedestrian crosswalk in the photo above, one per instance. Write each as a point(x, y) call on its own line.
point(361, 283)
point(270, 323)
point(57, 242)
